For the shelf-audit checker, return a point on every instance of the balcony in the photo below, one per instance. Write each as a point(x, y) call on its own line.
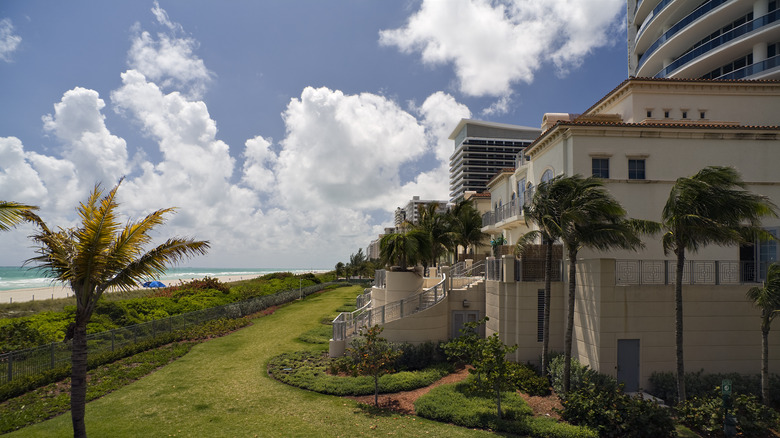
point(745, 29)
point(677, 27)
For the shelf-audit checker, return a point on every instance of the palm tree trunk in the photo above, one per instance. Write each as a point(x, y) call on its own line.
point(78, 380)
point(678, 299)
point(765, 359)
point(569, 322)
point(547, 302)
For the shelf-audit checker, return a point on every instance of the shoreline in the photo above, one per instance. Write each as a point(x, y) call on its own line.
point(53, 292)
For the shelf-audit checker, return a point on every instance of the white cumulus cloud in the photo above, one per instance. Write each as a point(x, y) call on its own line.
point(494, 44)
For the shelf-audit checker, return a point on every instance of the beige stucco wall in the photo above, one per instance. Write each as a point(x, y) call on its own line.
point(434, 324)
point(721, 328)
point(398, 285)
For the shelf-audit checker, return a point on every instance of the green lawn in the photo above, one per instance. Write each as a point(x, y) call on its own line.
point(221, 388)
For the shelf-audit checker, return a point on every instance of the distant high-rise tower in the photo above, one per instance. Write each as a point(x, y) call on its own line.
point(711, 39)
point(482, 149)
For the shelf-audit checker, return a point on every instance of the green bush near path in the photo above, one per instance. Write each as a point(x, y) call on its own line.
point(460, 404)
point(309, 370)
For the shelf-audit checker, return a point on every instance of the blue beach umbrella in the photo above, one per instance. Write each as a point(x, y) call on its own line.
point(153, 284)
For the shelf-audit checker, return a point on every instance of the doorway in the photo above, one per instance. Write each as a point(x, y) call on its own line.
point(628, 364)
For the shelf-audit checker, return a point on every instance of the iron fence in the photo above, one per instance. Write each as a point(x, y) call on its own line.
point(36, 360)
point(348, 324)
point(713, 272)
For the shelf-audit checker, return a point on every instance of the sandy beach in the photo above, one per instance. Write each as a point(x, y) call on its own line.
point(47, 293)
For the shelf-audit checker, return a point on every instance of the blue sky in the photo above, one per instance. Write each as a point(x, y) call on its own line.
point(285, 132)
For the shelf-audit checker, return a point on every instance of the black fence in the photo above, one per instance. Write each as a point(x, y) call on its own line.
point(34, 361)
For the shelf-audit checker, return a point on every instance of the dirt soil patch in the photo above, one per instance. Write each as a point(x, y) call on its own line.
point(403, 402)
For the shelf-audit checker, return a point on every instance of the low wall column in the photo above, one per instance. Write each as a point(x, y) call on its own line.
point(508, 268)
point(445, 270)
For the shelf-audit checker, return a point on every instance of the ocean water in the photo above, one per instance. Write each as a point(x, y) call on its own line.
point(25, 278)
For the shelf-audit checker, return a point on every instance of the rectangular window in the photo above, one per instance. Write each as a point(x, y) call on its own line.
point(702, 115)
point(600, 167)
point(685, 114)
point(649, 114)
point(666, 114)
point(636, 169)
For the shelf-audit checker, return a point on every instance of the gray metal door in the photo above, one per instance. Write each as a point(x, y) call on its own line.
point(628, 364)
point(460, 318)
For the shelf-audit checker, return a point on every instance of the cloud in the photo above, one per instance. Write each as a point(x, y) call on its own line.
point(495, 44)
point(8, 41)
point(98, 156)
point(169, 60)
point(345, 150)
point(499, 107)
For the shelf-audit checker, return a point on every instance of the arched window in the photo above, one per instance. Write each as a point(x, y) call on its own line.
point(547, 175)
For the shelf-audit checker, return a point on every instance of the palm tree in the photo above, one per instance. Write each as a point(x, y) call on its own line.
point(711, 207)
point(404, 249)
point(435, 225)
point(339, 269)
point(97, 255)
point(466, 225)
point(582, 214)
point(767, 299)
point(12, 213)
point(541, 212)
point(357, 262)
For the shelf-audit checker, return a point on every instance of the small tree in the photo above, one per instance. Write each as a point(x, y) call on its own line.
point(370, 355)
point(487, 356)
point(767, 299)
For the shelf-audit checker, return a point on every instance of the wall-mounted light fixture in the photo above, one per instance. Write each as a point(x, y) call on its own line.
point(466, 303)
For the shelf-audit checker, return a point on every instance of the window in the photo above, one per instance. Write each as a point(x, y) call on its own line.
point(601, 167)
point(685, 114)
point(521, 192)
point(702, 115)
point(649, 114)
point(666, 114)
point(636, 169)
point(547, 175)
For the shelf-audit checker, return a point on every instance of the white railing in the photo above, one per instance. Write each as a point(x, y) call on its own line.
point(348, 324)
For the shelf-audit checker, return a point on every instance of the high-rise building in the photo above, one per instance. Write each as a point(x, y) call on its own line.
point(481, 150)
point(711, 39)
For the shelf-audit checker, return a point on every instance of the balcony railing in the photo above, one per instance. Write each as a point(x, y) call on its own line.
point(514, 208)
point(680, 25)
point(752, 69)
point(712, 272)
point(348, 324)
point(733, 34)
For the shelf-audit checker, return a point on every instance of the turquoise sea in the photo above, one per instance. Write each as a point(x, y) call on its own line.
point(25, 278)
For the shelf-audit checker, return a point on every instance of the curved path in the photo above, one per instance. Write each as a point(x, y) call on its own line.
point(221, 389)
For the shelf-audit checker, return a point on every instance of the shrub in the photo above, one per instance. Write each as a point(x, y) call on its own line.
point(311, 370)
point(579, 374)
point(705, 414)
point(699, 384)
point(462, 405)
point(615, 414)
point(525, 378)
point(419, 356)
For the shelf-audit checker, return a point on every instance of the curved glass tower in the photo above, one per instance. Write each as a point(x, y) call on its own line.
point(709, 39)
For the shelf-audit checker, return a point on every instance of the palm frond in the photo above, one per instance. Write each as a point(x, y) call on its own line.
point(12, 214)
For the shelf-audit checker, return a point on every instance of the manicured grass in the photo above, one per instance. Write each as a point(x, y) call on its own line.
point(221, 388)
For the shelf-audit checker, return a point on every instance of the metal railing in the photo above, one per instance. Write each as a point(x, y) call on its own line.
point(712, 272)
point(527, 269)
point(36, 360)
point(363, 299)
point(348, 324)
point(460, 270)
